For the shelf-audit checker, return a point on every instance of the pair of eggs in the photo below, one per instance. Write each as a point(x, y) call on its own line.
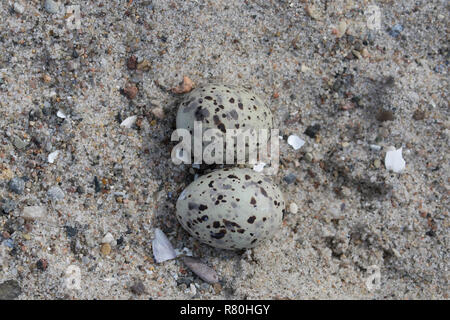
point(231, 208)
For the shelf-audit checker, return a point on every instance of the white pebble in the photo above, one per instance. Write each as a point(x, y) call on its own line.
point(162, 248)
point(295, 142)
point(108, 238)
point(51, 6)
point(18, 8)
point(34, 212)
point(52, 156)
point(293, 208)
point(394, 161)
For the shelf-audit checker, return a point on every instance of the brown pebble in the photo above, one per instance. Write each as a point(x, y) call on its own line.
point(144, 65)
point(419, 114)
point(132, 63)
point(42, 264)
point(217, 288)
point(46, 78)
point(130, 91)
point(106, 249)
point(385, 115)
point(158, 112)
point(202, 270)
point(184, 87)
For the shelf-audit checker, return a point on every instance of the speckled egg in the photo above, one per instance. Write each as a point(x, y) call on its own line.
point(223, 107)
point(231, 208)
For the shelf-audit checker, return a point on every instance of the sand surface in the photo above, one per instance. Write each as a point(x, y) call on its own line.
point(312, 62)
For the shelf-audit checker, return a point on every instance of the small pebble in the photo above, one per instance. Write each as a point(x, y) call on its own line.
point(144, 65)
point(46, 78)
point(42, 264)
point(377, 163)
point(132, 63)
point(202, 270)
point(290, 178)
point(158, 112)
point(71, 231)
point(130, 91)
point(385, 115)
point(19, 143)
point(18, 8)
point(312, 131)
point(16, 185)
point(313, 12)
point(51, 6)
point(293, 208)
point(10, 290)
point(309, 157)
point(34, 212)
point(138, 288)
point(217, 288)
point(105, 249)
point(396, 30)
point(8, 206)
point(419, 115)
point(185, 86)
point(52, 156)
point(108, 238)
point(55, 193)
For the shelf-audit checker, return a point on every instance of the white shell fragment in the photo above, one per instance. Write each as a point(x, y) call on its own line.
point(295, 142)
point(375, 147)
point(128, 122)
point(52, 156)
point(202, 270)
point(61, 114)
point(259, 167)
point(162, 248)
point(394, 161)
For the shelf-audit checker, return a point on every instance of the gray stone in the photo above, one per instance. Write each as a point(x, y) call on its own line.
point(55, 193)
point(19, 143)
point(16, 185)
point(52, 6)
point(9, 290)
point(8, 205)
point(290, 178)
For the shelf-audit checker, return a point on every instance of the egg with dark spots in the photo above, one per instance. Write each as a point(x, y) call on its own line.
point(223, 107)
point(231, 208)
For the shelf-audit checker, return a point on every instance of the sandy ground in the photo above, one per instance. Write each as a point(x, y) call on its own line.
point(313, 62)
